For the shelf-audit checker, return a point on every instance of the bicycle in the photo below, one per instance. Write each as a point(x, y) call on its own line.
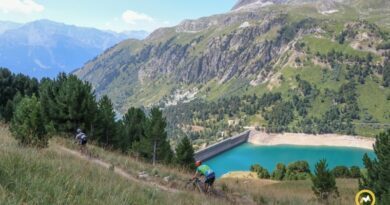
point(195, 184)
point(83, 149)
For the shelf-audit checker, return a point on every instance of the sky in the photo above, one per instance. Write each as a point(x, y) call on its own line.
point(116, 15)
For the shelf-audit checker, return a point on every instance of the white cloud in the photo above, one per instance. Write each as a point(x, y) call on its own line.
point(20, 6)
point(133, 20)
point(133, 17)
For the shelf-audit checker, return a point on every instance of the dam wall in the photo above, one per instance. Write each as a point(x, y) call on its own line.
point(222, 146)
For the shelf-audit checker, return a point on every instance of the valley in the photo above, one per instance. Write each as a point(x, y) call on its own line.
point(327, 67)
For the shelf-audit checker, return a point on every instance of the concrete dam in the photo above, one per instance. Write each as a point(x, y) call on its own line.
point(224, 145)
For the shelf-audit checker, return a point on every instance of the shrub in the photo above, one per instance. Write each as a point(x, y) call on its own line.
point(341, 172)
point(261, 171)
point(27, 124)
point(280, 172)
point(298, 170)
point(355, 172)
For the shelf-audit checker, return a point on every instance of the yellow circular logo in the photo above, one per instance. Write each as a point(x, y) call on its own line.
point(365, 197)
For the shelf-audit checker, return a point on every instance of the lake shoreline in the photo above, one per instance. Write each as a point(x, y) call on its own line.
point(271, 139)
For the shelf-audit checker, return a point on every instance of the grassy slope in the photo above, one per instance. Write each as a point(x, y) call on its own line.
point(289, 192)
point(29, 176)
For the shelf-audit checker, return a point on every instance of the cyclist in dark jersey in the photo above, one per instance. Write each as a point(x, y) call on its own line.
point(207, 173)
point(82, 140)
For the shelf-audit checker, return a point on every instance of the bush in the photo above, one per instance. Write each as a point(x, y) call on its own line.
point(279, 173)
point(341, 172)
point(355, 172)
point(27, 124)
point(262, 173)
point(298, 170)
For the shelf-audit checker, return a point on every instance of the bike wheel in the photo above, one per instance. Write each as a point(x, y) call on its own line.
point(189, 186)
point(199, 186)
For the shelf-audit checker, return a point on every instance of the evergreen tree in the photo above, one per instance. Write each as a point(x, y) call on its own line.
point(68, 103)
point(27, 124)
point(378, 172)
point(10, 86)
point(262, 172)
point(386, 74)
point(355, 172)
point(185, 153)
point(279, 173)
point(341, 172)
point(155, 145)
point(106, 127)
point(324, 183)
point(6, 90)
point(133, 127)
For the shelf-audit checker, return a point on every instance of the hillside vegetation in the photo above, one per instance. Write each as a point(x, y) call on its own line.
point(52, 176)
point(328, 61)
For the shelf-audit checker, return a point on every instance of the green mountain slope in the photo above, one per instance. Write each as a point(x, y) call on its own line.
point(254, 50)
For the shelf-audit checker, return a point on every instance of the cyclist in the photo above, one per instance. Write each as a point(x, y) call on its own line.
point(82, 139)
point(207, 173)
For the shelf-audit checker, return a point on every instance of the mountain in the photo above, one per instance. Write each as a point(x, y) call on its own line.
point(44, 48)
point(278, 46)
point(141, 34)
point(7, 25)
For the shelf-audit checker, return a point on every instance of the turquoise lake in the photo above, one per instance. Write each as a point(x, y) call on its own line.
point(242, 157)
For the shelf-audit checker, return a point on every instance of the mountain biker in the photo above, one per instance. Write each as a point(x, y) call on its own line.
point(82, 139)
point(207, 173)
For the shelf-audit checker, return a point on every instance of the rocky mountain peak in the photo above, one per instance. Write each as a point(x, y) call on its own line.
point(246, 4)
point(323, 5)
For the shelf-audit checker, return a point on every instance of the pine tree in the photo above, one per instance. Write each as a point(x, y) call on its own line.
point(6, 90)
point(378, 172)
point(106, 127)
point(185, 153)
point(132, 129)
point(27, 124)
point(12, 85)
point(280, 172)
point(68, 103)
point(155, 145)
point(324, 183)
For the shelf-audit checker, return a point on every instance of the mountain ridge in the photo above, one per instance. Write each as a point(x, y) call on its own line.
point(246, 52)
point(44, 48)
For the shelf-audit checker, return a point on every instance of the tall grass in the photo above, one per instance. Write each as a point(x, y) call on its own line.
point(288, 192)
point(50, 176)
point(30, 176)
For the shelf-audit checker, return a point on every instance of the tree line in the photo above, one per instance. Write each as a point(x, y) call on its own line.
point(37, 110)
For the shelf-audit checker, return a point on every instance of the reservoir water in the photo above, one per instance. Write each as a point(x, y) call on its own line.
point(242, 157)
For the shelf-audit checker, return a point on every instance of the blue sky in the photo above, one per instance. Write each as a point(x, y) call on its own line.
point(118, 16)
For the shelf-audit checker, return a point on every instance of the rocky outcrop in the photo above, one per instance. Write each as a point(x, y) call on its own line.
point(242, 44)
point(234, 54)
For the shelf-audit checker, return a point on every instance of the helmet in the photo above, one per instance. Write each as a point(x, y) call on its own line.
point(198, 163)
point(78, 130)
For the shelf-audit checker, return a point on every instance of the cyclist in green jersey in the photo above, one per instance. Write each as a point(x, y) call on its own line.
point(207, 173)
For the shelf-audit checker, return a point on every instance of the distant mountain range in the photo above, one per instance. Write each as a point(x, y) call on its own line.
point(44, 48)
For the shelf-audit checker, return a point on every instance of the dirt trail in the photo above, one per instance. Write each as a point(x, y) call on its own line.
point(117, 170)
point(235, 200)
